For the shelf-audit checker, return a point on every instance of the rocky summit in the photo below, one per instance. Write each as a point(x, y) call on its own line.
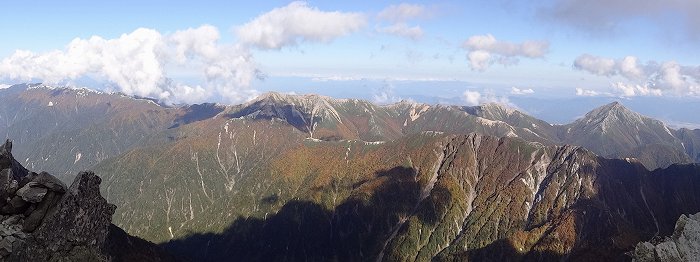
point(44, 220)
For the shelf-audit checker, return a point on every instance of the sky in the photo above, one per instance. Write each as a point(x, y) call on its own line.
point(466, 52)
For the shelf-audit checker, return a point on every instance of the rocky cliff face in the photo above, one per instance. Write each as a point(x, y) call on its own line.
point(44, 220)
point(683, 245)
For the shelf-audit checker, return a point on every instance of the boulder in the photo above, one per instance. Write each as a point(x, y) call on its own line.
point(34, 219)
point(50, 182)
point(667, 251)
point(32, 192)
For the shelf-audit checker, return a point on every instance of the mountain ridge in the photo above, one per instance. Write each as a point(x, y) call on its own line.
point(610, 130)
point(399, 182)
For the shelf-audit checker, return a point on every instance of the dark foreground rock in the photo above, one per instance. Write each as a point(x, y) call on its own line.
point(43, 220)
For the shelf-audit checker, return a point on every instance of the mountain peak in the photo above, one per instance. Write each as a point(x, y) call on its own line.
point(616, 105)
point(612, 109)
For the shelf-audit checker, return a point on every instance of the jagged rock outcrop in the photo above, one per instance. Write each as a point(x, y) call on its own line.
point(683, 245)
point(85, 217)
point(43, 220)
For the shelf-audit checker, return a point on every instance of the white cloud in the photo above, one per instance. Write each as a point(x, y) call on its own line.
point(650, 79)
point(135, 63)
point(403, 12)
point(475, 98)
point(403, 30)
point(297, 22)
point(484, 50)
point(670, 73)
point(586, 92)
point(629, 67)
point(595, 65)
point(472, 98)
point(627, 89)
point(518, 91)
point(4, 86)
point(479, 60)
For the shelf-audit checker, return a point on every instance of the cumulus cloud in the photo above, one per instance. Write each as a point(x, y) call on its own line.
point(475, 98)
point(648, 79)
point(608, 16)
point(628, 89)
point(135, 63)
point(472, 98)
point(586, 92)
point(518, 91)
point(595, 65)
point(484, 50)
point(297, 22)
point(398, 16)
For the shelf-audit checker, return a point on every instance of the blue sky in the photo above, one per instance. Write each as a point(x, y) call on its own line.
point(196, 51)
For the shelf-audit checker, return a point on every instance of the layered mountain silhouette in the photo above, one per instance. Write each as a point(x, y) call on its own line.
point(289, 177)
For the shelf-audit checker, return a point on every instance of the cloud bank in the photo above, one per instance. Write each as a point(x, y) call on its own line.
point(142, 62)
point(297, 22)
point(137, 64)
point(485, 50)
point(643, 79)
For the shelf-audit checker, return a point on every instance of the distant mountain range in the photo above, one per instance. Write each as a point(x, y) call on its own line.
point(92, 126)
point(289, 177)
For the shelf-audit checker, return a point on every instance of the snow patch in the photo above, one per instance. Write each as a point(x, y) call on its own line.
point(50, 104)
point(77, 157)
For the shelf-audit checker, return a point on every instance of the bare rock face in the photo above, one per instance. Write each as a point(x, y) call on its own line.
point(683, 245)
point(82, 213)
point(43, 220)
